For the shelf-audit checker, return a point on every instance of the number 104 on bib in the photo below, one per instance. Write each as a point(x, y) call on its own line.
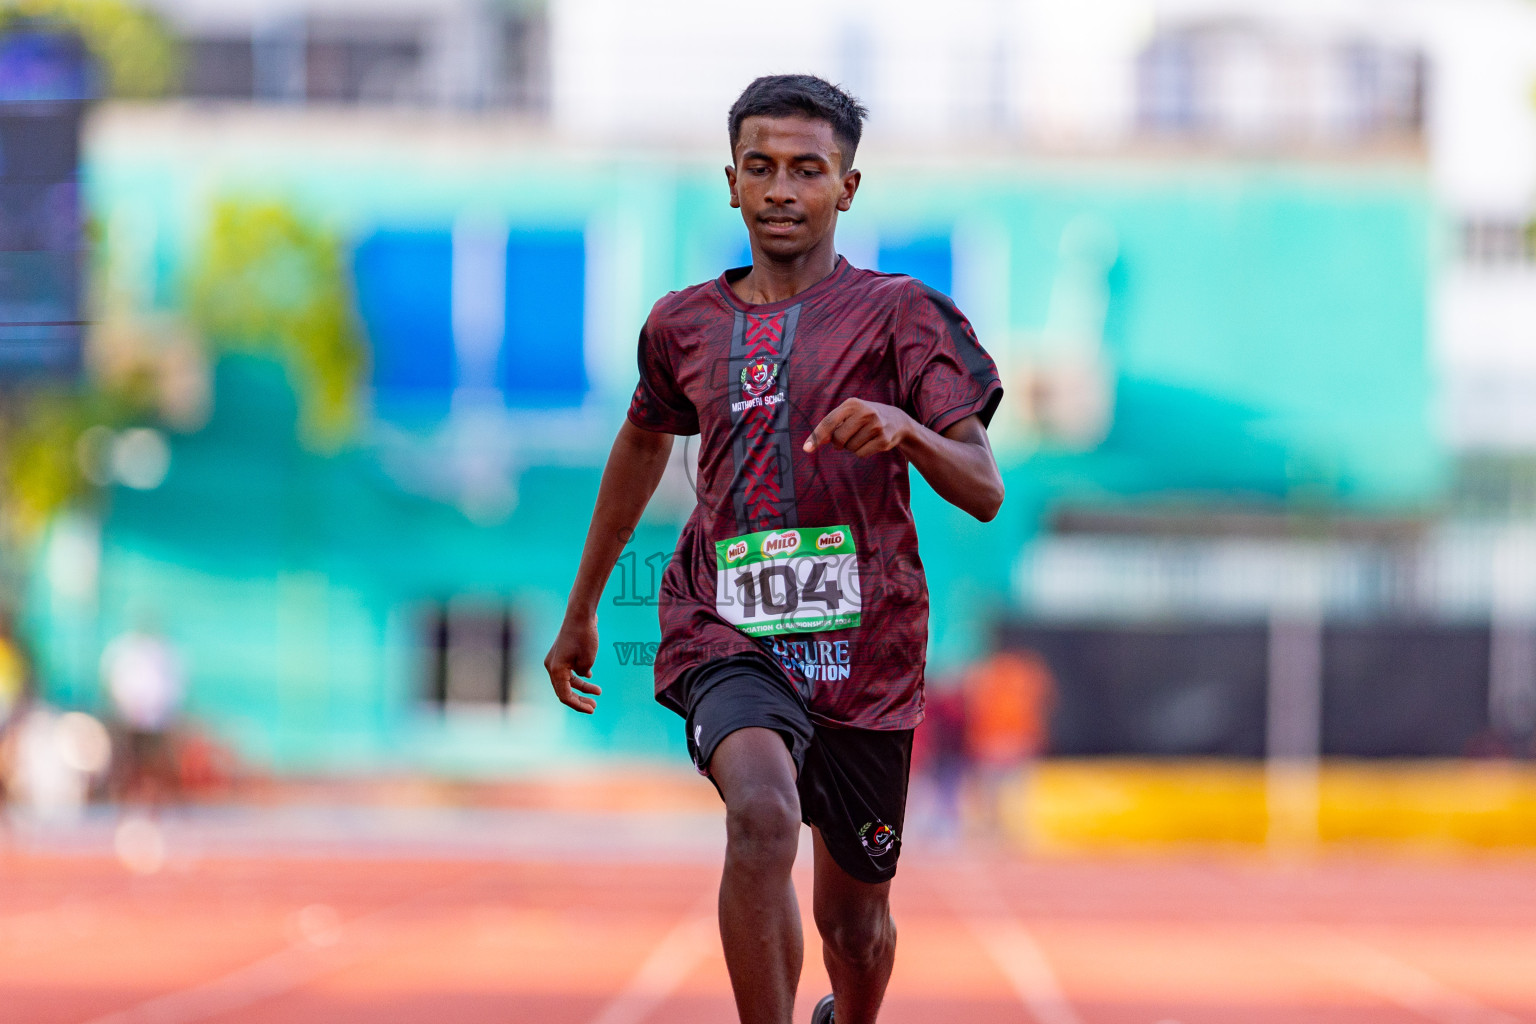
point(803, 580)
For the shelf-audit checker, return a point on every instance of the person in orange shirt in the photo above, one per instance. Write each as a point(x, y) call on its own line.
point(1007, 703)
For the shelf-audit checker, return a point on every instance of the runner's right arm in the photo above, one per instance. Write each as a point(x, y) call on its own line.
point(634, 468)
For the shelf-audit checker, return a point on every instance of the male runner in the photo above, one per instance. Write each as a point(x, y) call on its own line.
point(794, 614)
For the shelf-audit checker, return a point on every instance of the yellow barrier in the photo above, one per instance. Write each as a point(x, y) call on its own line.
point(1065, 805)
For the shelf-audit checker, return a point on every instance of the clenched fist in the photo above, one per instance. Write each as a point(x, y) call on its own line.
point(864, 428)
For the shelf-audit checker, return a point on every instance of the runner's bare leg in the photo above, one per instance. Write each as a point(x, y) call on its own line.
point(858, 937)
point(759, 917)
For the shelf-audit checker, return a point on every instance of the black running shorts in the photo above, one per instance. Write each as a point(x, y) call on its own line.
point(852, 782)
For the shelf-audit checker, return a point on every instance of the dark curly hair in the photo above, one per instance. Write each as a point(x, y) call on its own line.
point(807, 95)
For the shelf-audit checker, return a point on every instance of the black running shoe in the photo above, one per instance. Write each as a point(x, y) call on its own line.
point(823, 1012)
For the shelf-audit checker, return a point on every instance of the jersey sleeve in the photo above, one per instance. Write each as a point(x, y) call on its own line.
point(944, 372)
point(659, 403)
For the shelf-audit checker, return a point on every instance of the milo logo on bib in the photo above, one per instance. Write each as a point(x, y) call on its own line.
point(776, 544)
point(802, 580)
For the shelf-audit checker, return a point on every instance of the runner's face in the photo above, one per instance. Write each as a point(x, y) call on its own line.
point(789, 184)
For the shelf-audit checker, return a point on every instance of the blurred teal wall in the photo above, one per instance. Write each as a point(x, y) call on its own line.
point(1264, 327)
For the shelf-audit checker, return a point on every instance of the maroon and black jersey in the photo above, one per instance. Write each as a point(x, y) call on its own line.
point(754, 381)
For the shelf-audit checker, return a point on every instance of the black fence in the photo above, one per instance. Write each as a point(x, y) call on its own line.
point(1387, 689)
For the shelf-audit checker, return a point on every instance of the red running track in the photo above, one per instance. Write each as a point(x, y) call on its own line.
point(1191, 939)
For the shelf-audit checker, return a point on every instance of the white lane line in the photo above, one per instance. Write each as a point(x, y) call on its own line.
point(281, 972)
point(273, 976)
point(1019, 956)
point(1011, 945)
point(668, 966)
point(1383, 975)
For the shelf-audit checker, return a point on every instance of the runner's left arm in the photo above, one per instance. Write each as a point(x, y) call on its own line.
point(658, 410)
point(635, 465)
point(958, 463)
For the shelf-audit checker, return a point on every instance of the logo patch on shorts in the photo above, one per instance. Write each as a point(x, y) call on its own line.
point(697, 751)
point(878, 838)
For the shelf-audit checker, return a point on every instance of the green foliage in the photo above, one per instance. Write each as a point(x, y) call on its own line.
point(40, 471)
point(269, 282)
point(40, 466)
point(136, 50)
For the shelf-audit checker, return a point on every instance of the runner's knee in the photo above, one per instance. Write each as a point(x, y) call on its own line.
point(762, 829)
point(861, 941)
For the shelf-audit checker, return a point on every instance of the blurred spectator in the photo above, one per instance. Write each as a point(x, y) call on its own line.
point(204, 766)
point(57, 759)
point(15, 688)
point(144, 679)
point(1007, 703)
point(942, 745)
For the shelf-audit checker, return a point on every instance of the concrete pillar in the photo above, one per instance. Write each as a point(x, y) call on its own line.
point(1512, 638)
point(1295, 704)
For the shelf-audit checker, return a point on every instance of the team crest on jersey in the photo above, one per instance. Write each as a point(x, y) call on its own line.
point(877, 838)
point(758, 376)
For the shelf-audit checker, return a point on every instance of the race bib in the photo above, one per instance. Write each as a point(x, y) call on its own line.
point(789, 581)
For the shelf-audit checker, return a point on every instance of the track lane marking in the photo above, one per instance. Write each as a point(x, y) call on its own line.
point(976, 900)
point(283, 971)
point(1374, 970)
point(1023, 962)
point(677, 956)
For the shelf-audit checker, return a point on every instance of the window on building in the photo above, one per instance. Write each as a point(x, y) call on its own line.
point(1383, 89)
point(1248, 81)
point(472, 57)
point(404, 283)
point(472, 655)
point(369, 62)
point(1167, 85)
point(1496, 241)
point(219, 68)
point(408, 283)
point(928, 258)
point(523, 73)
point(543, 359)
